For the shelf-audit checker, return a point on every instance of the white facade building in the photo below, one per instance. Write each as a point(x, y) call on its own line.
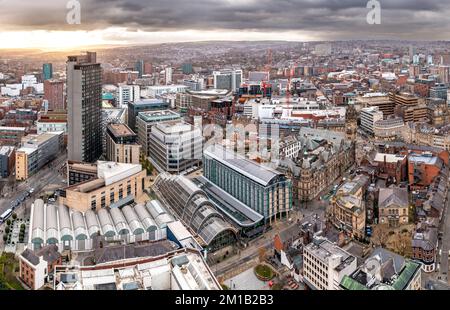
point(128, 93)
point(325, 264)
point(368, 118)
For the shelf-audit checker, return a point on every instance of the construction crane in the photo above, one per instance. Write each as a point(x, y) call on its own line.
point(268, 68)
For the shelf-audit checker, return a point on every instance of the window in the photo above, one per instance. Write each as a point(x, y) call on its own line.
point(93, 204)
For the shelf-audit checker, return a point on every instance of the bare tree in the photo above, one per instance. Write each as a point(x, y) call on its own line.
point(380, 235)
point(262, 252)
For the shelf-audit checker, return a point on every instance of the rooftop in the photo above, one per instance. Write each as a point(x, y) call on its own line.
point(171, 271)
point(383, 270)
point(325, 250)
point(6, 150)
point(120, 130)
point(251, 169)
point(393, 196)
point(150, 116)
point(389, 158)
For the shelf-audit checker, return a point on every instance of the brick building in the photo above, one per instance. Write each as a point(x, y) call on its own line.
point(35, 266)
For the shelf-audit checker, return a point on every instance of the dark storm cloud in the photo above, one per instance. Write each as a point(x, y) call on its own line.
point(333, 19)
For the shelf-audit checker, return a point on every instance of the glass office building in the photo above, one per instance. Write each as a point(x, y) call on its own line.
point(260, 188)
point(47, 71)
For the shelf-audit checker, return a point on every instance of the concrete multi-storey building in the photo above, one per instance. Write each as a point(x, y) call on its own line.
point(369, 116)
point(388, 129)
point(127, 93)
point(141, 106)
point(11, 135)
point(175, 146)
point(54, 94)
point(227, 79)
point(439, 91)
point(7, 160)
point(84, 99)
point(158, 90)
point(116, 184)
point(51, 121)
point(380, 100)
point(37, 151)
point(121, 144)
point(145, 121)
point(78, 172)
point(325, 265)
point(444, 74)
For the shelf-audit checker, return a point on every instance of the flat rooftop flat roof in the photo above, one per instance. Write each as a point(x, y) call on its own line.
point(121, 130)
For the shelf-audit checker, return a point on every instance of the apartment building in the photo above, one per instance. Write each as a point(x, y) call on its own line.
point(121, 144)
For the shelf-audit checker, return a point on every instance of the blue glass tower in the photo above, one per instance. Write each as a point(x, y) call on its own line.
point(47, 71)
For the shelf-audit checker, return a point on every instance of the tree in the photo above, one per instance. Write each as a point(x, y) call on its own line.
point(8, 222)
point(14, 216)
point(5, 237)
point(262, 254)
point(380, 235)
point(403, 244)
point(7, 229)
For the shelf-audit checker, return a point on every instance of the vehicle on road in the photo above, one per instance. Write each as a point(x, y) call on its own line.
point(5, 215)
point(31, 190)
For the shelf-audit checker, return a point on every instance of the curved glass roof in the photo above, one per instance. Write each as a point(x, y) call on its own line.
point(192, 206)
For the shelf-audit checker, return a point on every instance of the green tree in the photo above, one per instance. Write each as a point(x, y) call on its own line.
point(14, 216)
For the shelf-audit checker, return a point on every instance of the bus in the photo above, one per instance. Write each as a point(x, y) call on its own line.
point(5, 215)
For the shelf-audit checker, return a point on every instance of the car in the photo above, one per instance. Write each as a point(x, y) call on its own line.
point(31, 190)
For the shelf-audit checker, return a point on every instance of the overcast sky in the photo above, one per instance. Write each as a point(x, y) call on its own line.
point(42, 23)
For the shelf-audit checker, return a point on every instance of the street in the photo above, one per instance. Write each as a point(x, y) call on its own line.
point(48, 175)
point(445, 244)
